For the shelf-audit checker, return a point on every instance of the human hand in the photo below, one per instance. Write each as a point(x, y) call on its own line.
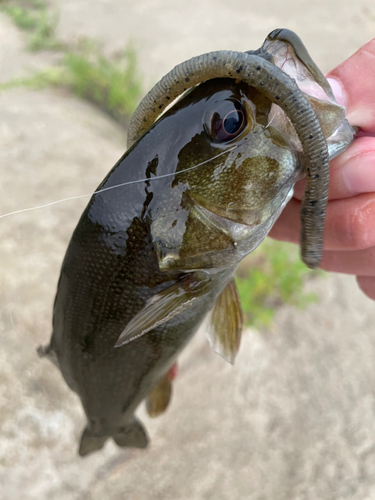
point(349, 237)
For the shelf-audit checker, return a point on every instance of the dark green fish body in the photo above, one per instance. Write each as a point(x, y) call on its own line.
point(135, 241)
point(150, 258)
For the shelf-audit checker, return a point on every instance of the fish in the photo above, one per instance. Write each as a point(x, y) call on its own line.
point(212, 160)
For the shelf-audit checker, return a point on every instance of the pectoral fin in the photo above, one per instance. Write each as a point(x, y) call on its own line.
point(158, 399)
point(224, 331)
point(164, 306)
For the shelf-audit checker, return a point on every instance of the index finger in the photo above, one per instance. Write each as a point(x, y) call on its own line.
point(353, 83)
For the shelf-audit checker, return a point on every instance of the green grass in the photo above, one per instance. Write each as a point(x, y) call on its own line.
point(22, 18)
point(49, 76)
point(271, 276)
point(43, 37)
point(33, 16)
point(112, 84)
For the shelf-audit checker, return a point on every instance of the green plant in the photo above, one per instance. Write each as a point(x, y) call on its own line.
point(43, 37)
point(34, 17)
point(271, 276)
point(39, 80)
point(23, 18)
point(112, 84)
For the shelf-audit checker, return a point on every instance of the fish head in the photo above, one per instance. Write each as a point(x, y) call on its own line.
point(234, 174)
point(303, 111)
point(252, 167)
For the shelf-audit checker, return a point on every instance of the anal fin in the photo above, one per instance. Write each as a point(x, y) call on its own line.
point(158, 399)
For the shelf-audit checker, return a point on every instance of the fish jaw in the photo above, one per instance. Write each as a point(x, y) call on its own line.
point(240, 239)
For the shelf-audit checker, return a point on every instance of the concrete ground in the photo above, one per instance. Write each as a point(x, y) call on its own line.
point(295, 417)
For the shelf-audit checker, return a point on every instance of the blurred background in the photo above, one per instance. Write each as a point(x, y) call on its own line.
point(294, 418)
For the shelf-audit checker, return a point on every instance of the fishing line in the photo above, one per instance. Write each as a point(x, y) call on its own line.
point(269, 123)
point(114, 187)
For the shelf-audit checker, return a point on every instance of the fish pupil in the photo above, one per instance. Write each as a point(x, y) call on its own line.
point(233, 121)
point(226, 121)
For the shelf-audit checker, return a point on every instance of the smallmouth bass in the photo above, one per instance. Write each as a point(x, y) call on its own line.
point(197, 190)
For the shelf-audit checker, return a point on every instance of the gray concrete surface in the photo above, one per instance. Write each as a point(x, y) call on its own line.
point(295, 417)
point(167, 32)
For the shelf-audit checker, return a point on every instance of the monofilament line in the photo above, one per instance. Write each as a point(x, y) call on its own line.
point(114, 187)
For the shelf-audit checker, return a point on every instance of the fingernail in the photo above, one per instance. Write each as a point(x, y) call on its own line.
point(338, 90)
point(359, 174)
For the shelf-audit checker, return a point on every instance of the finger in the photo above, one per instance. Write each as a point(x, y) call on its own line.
point(287, 226)
point(359, 262)
point(353, 86)
point(351, 173)
point(349, 223)
point(367, 285)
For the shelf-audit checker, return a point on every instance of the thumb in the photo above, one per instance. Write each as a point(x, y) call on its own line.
point(353, 83)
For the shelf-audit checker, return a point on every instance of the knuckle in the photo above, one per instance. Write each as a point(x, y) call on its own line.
point(360, 234)
point(360, 230)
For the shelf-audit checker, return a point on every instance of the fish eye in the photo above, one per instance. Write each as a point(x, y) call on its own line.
point(225, 121)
